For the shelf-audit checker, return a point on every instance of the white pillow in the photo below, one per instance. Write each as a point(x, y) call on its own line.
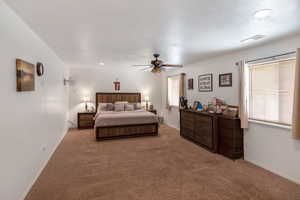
point(121, 102)
point(129, 107)
point(119, 107)
point(110, 107)
point(138, 106)
point(102, 107)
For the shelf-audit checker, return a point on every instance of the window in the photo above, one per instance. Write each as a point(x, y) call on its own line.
point(173, 90)
point(271, 91)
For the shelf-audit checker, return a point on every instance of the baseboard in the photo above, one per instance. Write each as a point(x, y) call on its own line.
point(273, 171)
point(45, 163)
point(173, 126)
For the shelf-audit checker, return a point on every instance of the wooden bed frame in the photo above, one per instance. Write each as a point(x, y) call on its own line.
point(123, 131)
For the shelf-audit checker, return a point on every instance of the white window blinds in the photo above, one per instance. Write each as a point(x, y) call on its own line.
point(173, 90)
point(271, 91)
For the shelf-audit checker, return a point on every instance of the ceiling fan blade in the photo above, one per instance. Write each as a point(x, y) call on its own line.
point(142, 66)
point(169, 68)
point(169, 65)
point(148, 69)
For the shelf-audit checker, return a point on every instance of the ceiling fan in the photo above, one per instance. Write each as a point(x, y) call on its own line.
point(157, 66)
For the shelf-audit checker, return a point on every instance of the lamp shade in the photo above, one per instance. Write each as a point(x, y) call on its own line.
point(86, 99)
point(147, 98)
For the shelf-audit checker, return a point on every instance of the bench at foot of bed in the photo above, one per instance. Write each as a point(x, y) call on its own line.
point(125, 131)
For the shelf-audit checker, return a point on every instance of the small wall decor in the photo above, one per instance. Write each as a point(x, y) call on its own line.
point(191, 84)
point(117, 85)
point(225, 80)
point(68, 81)
point(40, 69)
point(205, 83)
point(25, 76)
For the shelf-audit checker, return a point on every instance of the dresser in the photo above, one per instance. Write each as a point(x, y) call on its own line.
point(216, 133)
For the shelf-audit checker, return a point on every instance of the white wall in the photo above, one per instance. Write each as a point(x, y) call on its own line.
point(31, 123)
point(269, 147)
point(88, 81)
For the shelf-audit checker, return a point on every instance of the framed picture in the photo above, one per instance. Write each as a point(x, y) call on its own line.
point(205, 83)
point(191, 84)
point(225, 80)
point(25, 76)
point(232, 111)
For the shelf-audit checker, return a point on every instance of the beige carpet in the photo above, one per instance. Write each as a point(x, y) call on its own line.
point(167, 167)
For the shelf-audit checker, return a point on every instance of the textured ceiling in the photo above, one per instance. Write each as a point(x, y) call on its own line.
point(125, 32)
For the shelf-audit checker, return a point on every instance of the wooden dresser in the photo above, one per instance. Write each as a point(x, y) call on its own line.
point(217, 133)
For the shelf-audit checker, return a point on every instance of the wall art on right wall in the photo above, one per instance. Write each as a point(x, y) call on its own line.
point(225, 80)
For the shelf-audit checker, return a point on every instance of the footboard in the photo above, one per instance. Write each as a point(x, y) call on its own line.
point(122, 131)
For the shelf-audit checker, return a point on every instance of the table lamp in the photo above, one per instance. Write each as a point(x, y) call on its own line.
point(86, 100)
point(147, 101)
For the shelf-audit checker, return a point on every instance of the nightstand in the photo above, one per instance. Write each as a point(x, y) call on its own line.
point(86, 120)
point(153, 111)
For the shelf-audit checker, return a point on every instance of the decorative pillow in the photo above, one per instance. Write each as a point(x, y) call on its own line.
point(129, 107)
point(102, 107)
point(119, 107)
point(110, 107)
point(138, 106)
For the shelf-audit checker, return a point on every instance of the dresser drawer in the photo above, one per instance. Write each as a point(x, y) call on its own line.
point(187, 133)
point(188, 117)
point(187, 120)
point(203, 120)
point(204, 135)
point(86, 123)
point(228, 123)
point(203, 132)
point(86, 117)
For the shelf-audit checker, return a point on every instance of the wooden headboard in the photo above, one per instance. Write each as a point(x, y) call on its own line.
point(102, 97)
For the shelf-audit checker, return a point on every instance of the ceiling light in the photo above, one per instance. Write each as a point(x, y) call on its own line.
point(262, 14)
point(101, 63)
point(253, 38)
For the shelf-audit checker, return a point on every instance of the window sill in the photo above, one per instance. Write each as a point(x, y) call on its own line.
point(287, 127)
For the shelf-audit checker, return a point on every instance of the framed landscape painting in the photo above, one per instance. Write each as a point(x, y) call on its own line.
point(25, 76)
point(205, 83)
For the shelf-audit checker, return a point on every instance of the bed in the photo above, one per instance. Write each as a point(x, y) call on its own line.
point(110, 124)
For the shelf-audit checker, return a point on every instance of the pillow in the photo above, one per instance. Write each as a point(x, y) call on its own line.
point(110, 107)
point(138, 106)
point(129, 107)
point(102, 107)
point(119, 107)
point(121, 102)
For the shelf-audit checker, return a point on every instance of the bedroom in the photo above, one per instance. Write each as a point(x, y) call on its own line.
point(90, 47)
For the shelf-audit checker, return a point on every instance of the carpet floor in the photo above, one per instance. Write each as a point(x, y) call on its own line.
point(166, 167)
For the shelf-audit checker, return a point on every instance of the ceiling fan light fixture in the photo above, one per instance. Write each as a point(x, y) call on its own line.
point(156, 65)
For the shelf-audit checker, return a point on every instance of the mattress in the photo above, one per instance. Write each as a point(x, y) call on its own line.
point(112, 118)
